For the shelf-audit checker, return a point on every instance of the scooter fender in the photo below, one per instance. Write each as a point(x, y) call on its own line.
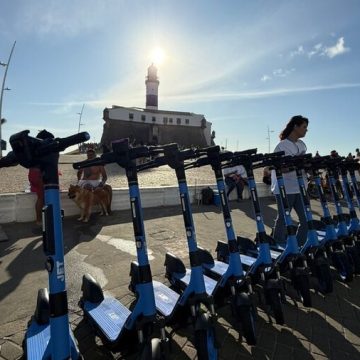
point(203, 321)
point(298, 271)
point(242, 299)
point(320, 261)
point(273, 284)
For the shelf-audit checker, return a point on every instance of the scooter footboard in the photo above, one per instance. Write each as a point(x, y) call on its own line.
point(205, 256)
point(42, 311)
point(91, 290)
point(246, 244)
point(222, 251)
point(173, 264)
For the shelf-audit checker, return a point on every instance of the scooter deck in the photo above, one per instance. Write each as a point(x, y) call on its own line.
point(110, 315)
point(37, 340)
point(218, 267)
point(275, 254)
point(165, 298)
point(247, 260)
point(210, 284)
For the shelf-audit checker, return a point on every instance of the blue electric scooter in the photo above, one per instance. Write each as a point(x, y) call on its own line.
point(355, 166)
point(348, 166)
point(290, 258)
point(113, 321)
point(49, 335)
point(314, 251)
point(231, 278)
point(195, 289)
point(343, 232)
point(229, 267)
point(325, 228)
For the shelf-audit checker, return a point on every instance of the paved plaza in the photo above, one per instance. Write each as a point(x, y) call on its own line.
point(105, 246)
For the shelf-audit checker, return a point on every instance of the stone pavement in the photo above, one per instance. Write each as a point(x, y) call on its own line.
point(104, 247)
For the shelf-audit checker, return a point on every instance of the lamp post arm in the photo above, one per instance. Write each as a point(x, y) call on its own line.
point(2, 92)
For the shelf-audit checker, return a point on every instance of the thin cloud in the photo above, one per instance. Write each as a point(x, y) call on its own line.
point(277, 73)
point(60, 18)
point(329, 51)
point(320, 49)
point(316, 50)
point(257, 94)
point(338, 49)
point(299, 51)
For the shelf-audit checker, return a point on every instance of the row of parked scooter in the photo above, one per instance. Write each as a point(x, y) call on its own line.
point(242, 268)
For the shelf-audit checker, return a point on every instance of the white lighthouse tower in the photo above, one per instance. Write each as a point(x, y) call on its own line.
point(152, 85)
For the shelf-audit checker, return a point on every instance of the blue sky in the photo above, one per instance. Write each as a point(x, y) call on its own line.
point(244, 64)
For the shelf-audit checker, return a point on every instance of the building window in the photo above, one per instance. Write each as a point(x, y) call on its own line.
point(170, 120)
point(178, 121)
point(187, 121)
point(153, 119)
point(165, 120)
point(131, 116)
point(143, 117)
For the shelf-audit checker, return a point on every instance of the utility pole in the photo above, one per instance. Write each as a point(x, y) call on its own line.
point(80, 116)
point(2, 121)
point(269, 138)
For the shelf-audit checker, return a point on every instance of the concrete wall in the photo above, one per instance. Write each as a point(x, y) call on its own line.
point(20, 207)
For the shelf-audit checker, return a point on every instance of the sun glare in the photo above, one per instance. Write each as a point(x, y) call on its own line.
point(157, 56)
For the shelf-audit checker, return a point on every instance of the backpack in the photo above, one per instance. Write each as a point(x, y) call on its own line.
point(207, 196)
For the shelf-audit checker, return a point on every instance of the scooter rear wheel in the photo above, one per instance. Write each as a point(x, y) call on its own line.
point(353, 255)
point(342, 265)
point(323, 274)
point(204, 340)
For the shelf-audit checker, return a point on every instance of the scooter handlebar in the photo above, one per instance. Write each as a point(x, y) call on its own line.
point(9, 160)
point(94, 162)
point(245, 152)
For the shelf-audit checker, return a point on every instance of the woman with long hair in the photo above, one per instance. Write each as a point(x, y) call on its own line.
point(291, 144)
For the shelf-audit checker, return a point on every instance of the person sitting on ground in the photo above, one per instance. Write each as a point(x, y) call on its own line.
point(235, 177)
point(93, 176)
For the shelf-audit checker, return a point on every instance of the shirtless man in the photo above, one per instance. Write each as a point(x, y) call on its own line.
point(90, 177)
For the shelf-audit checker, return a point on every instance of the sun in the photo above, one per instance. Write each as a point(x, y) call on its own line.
point(157, 56)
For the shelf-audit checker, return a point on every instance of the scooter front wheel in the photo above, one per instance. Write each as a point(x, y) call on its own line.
point(246, 316)
point(303, 288)
point(153, 350)
point(204, 340)
point(273, 297)
point(323, 274)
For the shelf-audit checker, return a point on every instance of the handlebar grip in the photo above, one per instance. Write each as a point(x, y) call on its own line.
point(209, 149)
point(60, 144)
point(160, 149)
point(72, 140)
point(188, 154)
point(9, 160)
point(246, 152)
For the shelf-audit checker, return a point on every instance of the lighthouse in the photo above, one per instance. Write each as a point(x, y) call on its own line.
point(152, 85)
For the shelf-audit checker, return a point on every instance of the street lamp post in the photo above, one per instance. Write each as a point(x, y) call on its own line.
point(6, 65)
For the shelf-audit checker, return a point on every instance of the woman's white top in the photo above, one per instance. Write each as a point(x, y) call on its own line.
point(291, 184)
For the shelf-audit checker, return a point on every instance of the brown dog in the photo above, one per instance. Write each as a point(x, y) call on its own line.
point(86, 198)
